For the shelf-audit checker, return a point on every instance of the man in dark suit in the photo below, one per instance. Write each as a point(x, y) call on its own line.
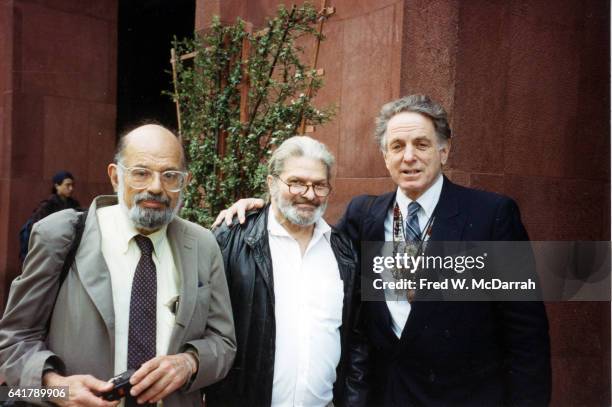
point(443, 353)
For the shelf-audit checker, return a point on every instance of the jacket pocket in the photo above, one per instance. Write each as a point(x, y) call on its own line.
point(202, 306)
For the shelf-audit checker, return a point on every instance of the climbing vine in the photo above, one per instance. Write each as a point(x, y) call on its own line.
point(228, 132)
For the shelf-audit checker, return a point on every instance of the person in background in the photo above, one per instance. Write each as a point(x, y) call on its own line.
point(60, 199)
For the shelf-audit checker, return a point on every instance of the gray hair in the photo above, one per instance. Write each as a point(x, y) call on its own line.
point(300, 146)
point(414, 103)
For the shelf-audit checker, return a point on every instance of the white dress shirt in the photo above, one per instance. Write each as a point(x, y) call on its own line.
point(400, 309)
point(122, 255)
point(308, 295)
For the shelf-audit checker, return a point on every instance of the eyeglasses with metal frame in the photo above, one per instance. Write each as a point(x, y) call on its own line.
point(141, 178)
point(298, 188)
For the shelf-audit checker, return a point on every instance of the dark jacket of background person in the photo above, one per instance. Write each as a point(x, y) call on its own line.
point(248, 266)
point(60, 199)
point(455, 353)
point(54, 203)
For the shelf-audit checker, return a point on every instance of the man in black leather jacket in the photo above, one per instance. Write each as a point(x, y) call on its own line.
point(294, 289)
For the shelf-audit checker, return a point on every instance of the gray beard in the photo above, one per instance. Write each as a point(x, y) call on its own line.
point(291, 213)
point(148, 218)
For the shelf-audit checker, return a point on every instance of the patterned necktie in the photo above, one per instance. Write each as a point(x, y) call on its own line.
point(412, 229)
point(143, 310)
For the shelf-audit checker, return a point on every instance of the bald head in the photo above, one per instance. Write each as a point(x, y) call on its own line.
point(150, 139)
point(148, 176)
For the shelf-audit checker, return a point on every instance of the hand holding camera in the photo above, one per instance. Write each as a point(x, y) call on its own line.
point(121, 386)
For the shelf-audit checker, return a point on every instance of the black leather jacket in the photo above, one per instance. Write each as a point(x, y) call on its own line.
point(248, 266)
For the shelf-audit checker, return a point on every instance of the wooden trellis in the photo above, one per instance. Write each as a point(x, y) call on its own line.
point(324, 13)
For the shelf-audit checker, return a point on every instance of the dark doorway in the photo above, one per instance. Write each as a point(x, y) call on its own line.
point(146, 30)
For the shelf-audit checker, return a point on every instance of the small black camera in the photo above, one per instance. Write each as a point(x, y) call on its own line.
point(121, 386)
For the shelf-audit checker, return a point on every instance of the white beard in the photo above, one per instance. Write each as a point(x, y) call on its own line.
point(293, 215)
point(147, 218)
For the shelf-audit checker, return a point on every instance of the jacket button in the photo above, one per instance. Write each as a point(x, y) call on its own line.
point(432, 376)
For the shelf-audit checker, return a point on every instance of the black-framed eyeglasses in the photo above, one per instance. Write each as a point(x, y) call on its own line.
point(299, 188)
point(141, 178)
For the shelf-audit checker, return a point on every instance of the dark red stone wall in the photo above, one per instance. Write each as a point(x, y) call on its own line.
point(531, 116)
point(362, 63)
point(58, 84)
point(527, 86)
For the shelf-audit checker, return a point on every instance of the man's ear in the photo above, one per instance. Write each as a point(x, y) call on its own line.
point(445, 150)
point(270, 182)
point(113, 175)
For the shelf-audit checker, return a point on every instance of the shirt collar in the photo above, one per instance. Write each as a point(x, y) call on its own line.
point(322, 228)
point(126, 232)
point(428, 200)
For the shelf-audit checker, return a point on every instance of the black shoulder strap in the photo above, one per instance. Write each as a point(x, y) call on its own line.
point(78, 234)
point(74, 246)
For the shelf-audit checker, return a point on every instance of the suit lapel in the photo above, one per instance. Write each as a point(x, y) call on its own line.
point(374, 232)
point(448, 222)
point(92, 269)
point(448, 226)
point(185, 254)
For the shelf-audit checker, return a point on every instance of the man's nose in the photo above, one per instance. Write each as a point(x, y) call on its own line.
point(409, 153)
point(310, 194)
point(155, 187)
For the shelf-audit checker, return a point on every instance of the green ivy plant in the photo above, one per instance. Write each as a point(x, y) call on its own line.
point(208, 89)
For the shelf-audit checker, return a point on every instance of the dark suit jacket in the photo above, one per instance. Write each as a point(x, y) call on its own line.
point(456, 353)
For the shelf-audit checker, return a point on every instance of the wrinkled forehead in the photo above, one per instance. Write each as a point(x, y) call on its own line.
point(409, 125)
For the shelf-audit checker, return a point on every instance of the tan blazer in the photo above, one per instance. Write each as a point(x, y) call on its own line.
point(81, 334)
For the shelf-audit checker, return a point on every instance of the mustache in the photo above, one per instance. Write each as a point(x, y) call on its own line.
point(302, 200)
point(147, 196)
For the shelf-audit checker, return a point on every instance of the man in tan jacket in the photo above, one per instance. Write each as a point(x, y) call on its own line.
point(147, 291)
